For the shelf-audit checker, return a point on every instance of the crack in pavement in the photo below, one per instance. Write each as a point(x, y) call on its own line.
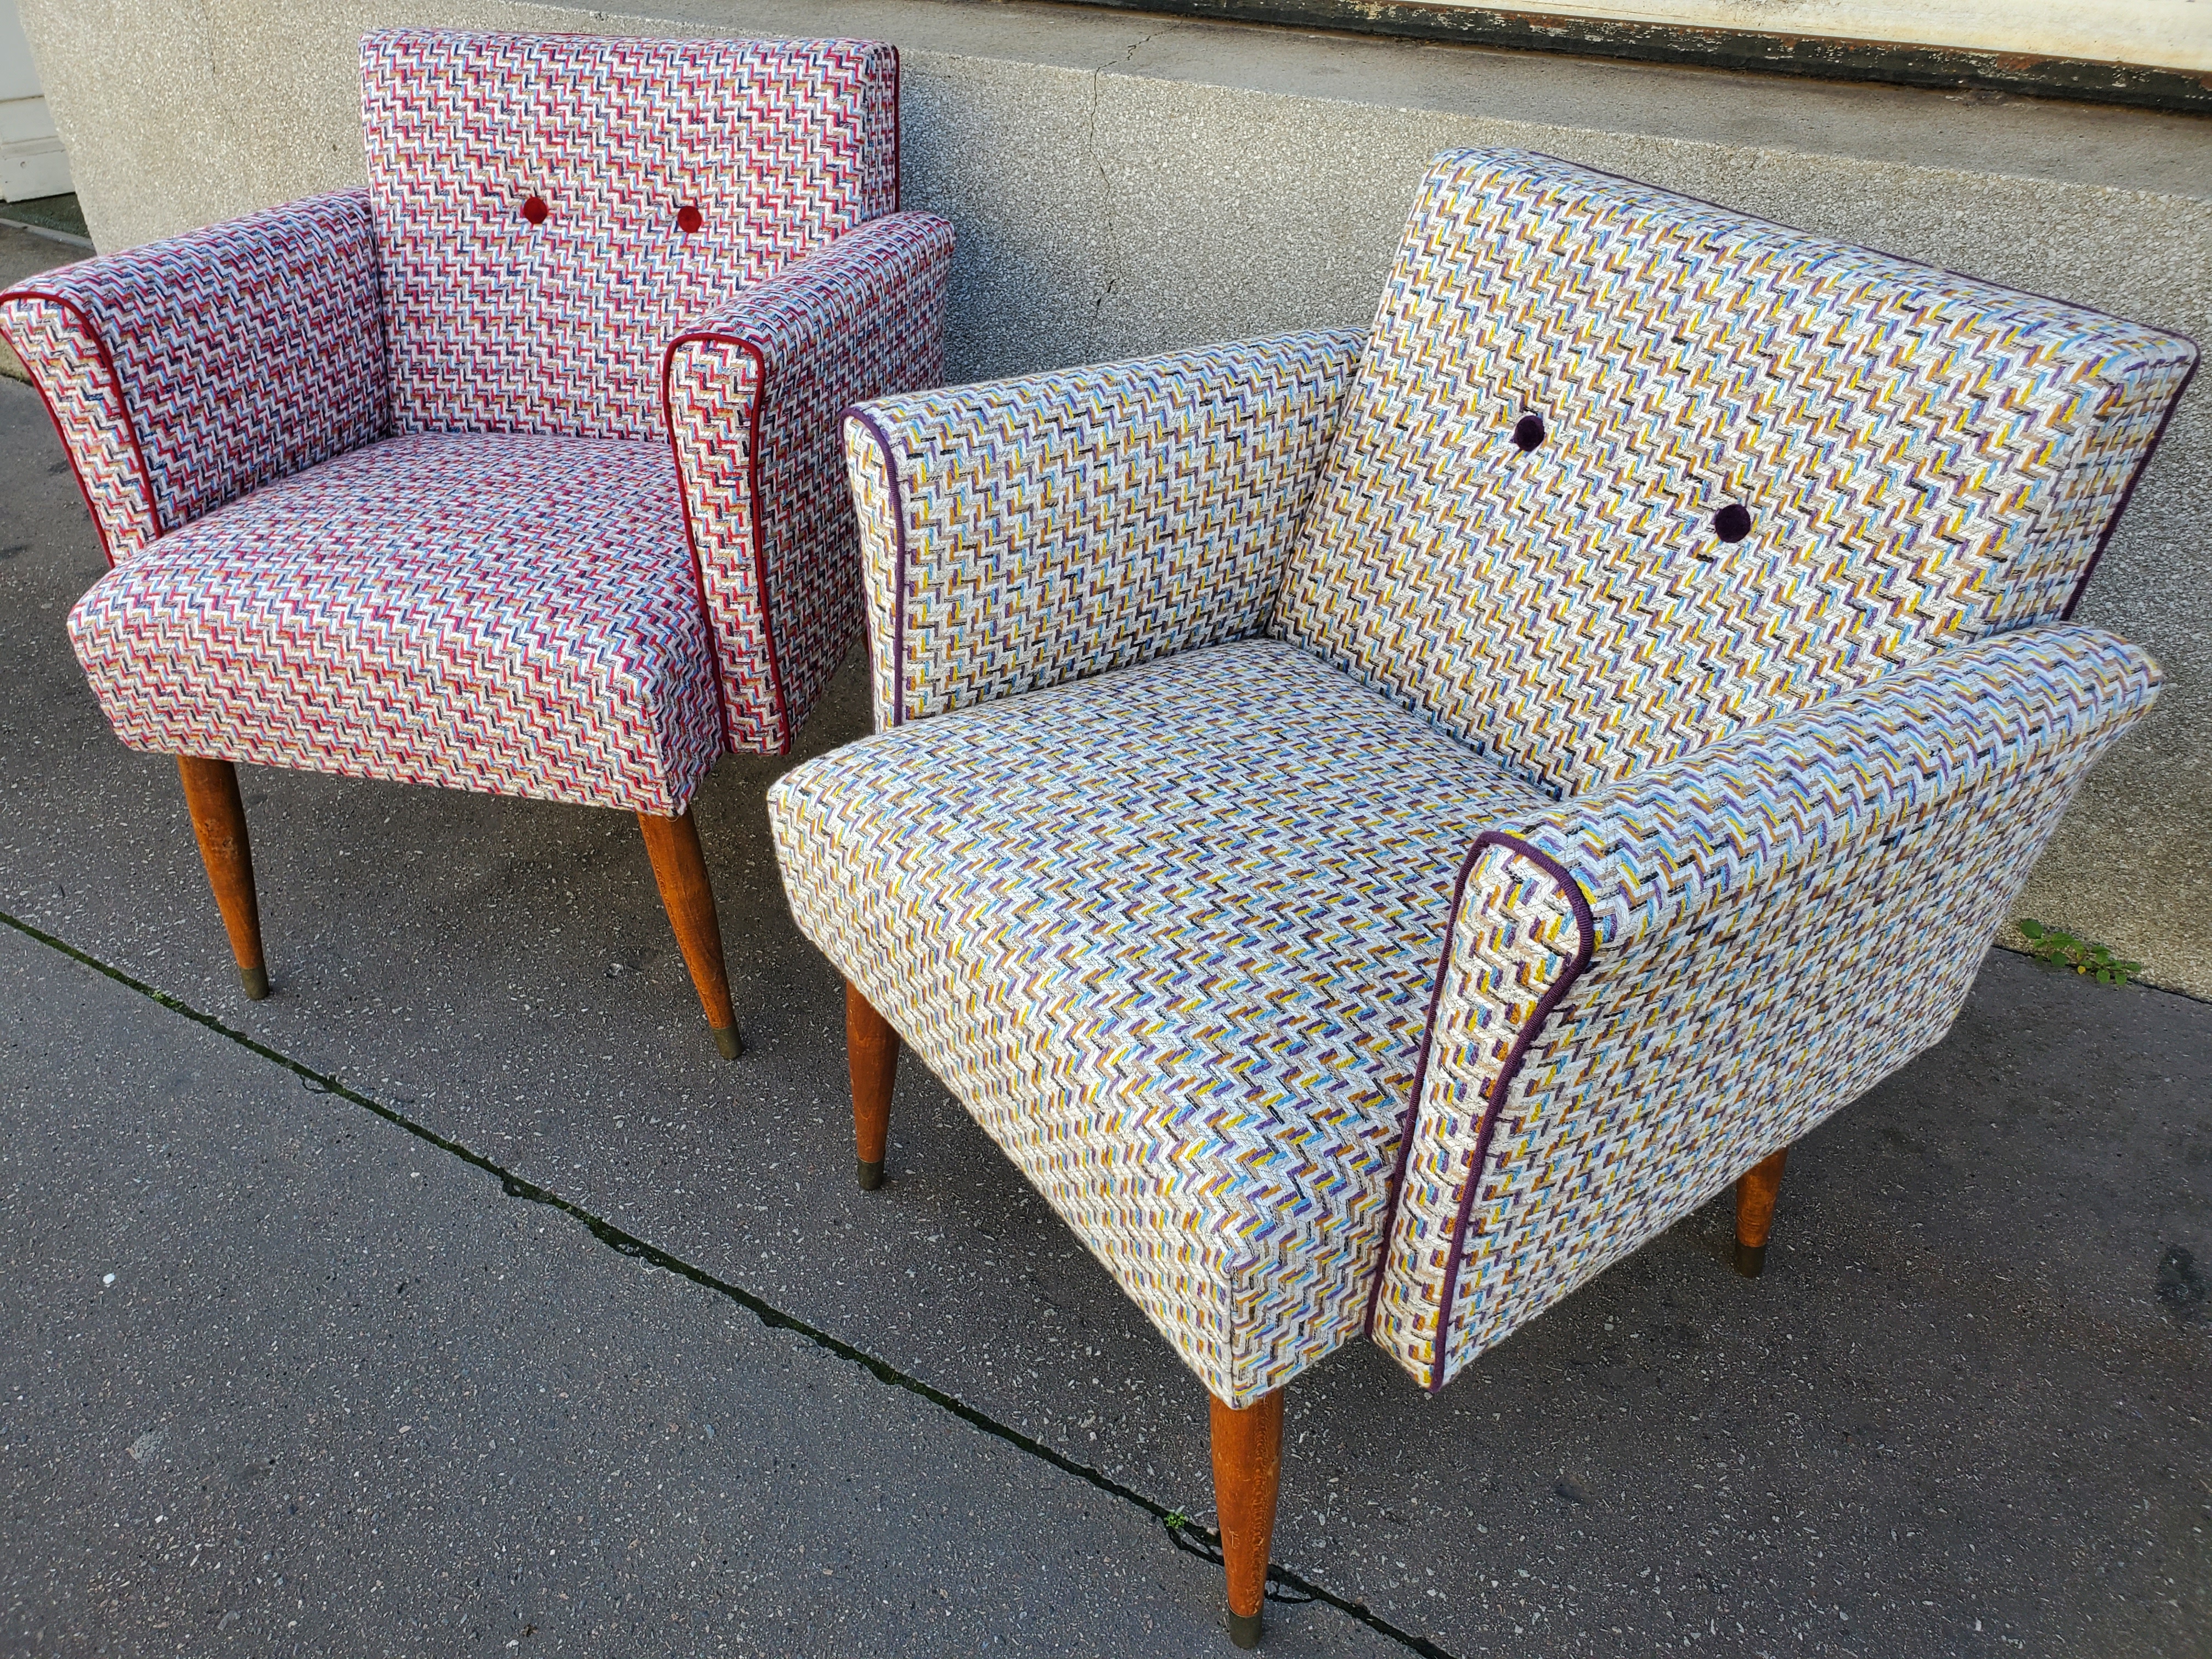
point(1180, 1530)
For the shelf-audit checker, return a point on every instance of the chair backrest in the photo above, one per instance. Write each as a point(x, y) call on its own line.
point(1770, 467)
point(551, 209)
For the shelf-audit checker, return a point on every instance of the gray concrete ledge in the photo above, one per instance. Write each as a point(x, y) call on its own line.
point(1852, 45)
point(1124, 183)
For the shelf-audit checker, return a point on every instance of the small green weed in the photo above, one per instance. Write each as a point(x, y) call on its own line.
point(2049, 944)
point(1177, 1520)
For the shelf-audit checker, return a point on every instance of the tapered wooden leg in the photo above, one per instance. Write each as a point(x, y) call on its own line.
point(678, 865)
point(1755, 1194)
point(219, 821)
point(1248, 1470)
point(871, 1050)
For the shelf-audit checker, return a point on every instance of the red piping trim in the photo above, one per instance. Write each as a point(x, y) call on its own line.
point(899, 562)
point(1586, 928)
point(91, 508)
point(760, 548)
point(130, 426)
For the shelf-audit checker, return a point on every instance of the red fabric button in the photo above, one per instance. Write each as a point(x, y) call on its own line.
point(535, 210)
point(689, 219)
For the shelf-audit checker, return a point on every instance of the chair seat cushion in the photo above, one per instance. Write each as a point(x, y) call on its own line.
point(1170, 935)
point(512, 614)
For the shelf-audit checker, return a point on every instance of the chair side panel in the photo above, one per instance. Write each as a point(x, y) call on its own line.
point(2122, 422)
point(1029, 532)
point(1922, 459)
point(187, 372)
point(551, 210)
point(1775, 928)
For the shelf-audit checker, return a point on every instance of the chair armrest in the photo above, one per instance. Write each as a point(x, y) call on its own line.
point(751, 397)
point(184, 373)
point(1646, 991)
point(1029, 532)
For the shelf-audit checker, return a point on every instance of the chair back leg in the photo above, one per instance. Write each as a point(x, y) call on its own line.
point(219, 822)
point(872, 1051)
point(1248, 1471)
point(1755, 1195)
point(680, 868)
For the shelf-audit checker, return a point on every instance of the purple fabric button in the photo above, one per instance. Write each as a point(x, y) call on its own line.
point(1732, 523)
point(1529, 432)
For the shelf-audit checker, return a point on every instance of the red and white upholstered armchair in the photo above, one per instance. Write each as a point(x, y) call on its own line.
point(1378, 830)
point(517, 470)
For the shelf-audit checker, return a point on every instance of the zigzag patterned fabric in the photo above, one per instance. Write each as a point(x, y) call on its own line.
point(1211, 945)
point(1675, 977)
point(1918, 458)
point(512, 615)
point(183, 373)
point(552, 209)
point(1022, 533)
point(862, 317)
point(545, 217)
point(1168, 934)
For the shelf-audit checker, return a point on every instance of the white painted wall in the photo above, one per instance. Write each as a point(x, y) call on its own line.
point(33, 162)
point(2174, 34)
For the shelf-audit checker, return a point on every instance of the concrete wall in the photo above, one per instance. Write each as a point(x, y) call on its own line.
point(1124, 183)
point(33, 162)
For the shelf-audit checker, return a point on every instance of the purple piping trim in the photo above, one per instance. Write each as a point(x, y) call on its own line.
point(2128, 494)
point(898, 562)
point(1586, 928)
point(1856, 247)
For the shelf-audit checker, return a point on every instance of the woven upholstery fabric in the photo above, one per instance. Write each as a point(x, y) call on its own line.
point(1925, 459)
point(1168, 934)
point(512, 614)
point(1035, 531)
point(183, 373)
point(1765, 930)
point(742, 191)
point(502, 324)
point(753, 394)
point(1553, 861)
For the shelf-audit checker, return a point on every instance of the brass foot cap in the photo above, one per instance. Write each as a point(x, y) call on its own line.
point(1750, 1260)
point(256, 981)
point(726, 1041)
point(871, 1174)
point(1244, 1630)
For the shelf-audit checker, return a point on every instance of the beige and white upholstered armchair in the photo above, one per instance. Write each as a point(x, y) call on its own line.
point(1377, 829)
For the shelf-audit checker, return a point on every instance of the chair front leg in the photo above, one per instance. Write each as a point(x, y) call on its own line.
point(680, 868)
point(872, 1051)
point(1248, 1471)
point(1755, 1195)
point(219, 822)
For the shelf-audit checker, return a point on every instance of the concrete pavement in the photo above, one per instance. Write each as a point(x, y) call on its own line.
point(281, 1377)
